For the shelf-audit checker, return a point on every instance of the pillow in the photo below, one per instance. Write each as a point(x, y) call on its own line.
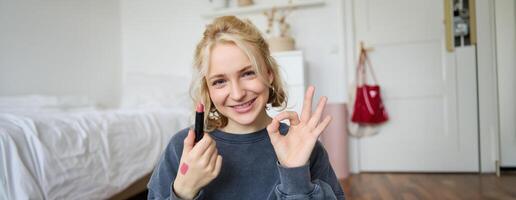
point(37, 102)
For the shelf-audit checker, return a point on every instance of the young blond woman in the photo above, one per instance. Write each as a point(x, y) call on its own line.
point(244, 153)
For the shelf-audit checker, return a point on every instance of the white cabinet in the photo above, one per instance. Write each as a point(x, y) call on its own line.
point(292, 70)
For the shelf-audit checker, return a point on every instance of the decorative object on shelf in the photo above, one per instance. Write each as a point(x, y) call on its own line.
point(244, 2)
point(283, 41)
point(277, 44)
point(218, 4)
point(257, 8)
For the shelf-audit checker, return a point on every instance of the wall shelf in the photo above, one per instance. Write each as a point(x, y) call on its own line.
point(257, 8)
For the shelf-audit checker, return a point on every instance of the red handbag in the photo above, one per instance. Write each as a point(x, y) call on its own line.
point(368, 108)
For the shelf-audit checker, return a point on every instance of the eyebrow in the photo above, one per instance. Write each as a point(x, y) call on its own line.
point(222, 75)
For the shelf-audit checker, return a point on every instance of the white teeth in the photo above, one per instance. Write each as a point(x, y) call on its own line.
point(244, 105)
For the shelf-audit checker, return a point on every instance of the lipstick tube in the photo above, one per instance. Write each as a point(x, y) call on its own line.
point(199, 122)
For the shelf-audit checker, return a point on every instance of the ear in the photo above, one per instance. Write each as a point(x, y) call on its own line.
point(270, 75)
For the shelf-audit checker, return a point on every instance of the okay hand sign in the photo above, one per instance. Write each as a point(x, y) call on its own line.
point(294, 149)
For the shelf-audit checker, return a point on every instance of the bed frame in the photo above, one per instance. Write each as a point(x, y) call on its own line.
point(135, 188)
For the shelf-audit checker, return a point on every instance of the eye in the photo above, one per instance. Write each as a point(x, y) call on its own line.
point(248, 73)
point(218, 82)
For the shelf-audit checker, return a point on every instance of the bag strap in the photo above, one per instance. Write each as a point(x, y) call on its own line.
point(363, 64)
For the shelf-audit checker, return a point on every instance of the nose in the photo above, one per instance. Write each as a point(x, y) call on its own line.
point(237, 93)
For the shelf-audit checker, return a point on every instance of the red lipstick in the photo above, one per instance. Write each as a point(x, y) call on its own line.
point(199, 122)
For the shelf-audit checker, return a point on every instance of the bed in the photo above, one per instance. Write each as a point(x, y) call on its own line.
point(82, 153)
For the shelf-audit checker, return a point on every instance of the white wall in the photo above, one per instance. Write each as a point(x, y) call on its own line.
point(158, 42)
point(61, 47)
point(317, 33)
point(159, 37)
point(86, 48)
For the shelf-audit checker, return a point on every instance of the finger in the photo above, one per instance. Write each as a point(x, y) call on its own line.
point(290, 115)
point(213, 161)
point(307, 104)
point(273, 130)
point(320, 128)
point(201, 146)
point(316, 117)
point(218, 165)
point(188, 142)
point(207, 154)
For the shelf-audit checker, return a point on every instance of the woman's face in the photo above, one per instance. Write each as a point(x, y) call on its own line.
point(234, 86)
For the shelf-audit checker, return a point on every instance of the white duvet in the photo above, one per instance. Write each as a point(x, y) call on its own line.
point(81, 155)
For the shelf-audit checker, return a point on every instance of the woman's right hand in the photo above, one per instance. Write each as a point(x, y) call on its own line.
point(199, 165)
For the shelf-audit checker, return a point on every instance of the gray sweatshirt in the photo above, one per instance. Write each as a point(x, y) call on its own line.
point(250, 170)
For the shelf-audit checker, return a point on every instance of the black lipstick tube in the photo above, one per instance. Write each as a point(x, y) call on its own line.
point(199, 125)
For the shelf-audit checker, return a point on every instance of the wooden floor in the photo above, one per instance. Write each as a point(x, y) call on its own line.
point(429, 186)
point(423, 186)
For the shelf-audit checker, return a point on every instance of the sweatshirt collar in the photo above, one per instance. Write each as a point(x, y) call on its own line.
point(245, 137)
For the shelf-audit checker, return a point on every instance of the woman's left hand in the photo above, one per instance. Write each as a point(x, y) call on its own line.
point(294, 149)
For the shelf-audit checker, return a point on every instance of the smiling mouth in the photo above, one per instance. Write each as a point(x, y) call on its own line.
point(244, 105)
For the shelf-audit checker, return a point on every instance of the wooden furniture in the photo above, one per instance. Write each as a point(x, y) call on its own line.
point(137, 187)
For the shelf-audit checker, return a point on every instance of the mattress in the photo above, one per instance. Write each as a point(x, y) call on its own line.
point(81, 155)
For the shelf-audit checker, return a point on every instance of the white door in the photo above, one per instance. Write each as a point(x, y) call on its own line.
point(506, 61)
point(430, 94)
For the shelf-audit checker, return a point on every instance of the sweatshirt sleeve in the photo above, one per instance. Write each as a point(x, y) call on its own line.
point(161, 182)
point(315, 180)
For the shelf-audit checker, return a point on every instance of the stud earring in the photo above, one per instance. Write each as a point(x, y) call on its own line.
point(214, 114)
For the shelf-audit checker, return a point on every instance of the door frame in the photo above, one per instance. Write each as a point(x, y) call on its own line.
point(488, 120)
point(504, 61)
point(489, 127)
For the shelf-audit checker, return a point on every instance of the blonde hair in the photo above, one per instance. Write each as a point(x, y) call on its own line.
point(229, 29)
